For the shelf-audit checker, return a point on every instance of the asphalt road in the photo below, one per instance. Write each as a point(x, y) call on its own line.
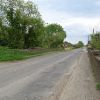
point(35, 78)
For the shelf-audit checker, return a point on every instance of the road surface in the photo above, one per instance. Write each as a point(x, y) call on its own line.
point(81, 84)
point(36, 78)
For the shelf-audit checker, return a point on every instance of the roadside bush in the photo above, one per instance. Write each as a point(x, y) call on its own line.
point(95, 41)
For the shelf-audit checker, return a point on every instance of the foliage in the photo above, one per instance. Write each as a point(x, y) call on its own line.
point(21, 26)
point(80, 44)
point(98, 86)
point(95, 41)
point(67, 44)
point(22, 18)
point(56, 35)
point(34, 36)
point(3, 34)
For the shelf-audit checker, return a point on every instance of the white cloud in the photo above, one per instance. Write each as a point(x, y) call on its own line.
point(79, 26)
point(63, 18)
point(97, 2)
point(67, 20)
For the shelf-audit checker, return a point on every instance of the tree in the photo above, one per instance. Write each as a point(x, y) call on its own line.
point(55, 35)
point(79, 44)
point(24, 23)
point(25, 27)
point(3, 34)
point(35, 33)
point(95, 41)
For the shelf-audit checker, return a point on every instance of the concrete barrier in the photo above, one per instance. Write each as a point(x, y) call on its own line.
point(95, 62)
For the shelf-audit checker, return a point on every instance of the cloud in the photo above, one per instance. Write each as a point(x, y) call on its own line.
point(67, 20)
point(78, 17)
point(86, 8)
point(97, 3)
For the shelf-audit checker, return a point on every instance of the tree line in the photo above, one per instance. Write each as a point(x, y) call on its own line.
point(79, 44)
point(21, 26)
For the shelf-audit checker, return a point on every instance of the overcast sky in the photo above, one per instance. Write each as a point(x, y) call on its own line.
point(78, 17)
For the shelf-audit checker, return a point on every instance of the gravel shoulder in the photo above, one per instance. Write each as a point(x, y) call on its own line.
point(81, 85)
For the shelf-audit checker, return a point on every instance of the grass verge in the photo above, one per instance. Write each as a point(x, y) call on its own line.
point(7, 54)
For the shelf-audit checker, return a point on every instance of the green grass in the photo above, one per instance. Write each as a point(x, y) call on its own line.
point(7, 54)
point(98, 86)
